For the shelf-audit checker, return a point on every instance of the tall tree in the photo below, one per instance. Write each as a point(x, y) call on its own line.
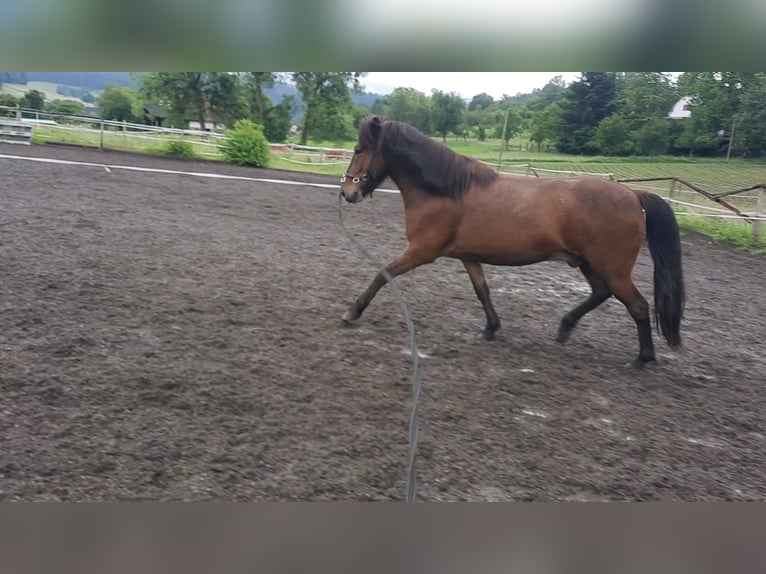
point(447, 112)
point(585, 103)
point(410, 106)
point(279, 120)
point(480, 102)
point(116, 103)
point(327, 99)
point(716, 99)
point(514, 125)
point(226, 98)
point(550, 93)
point(612, 136)
point(546, 124)
point(195, 93)
point(256, 82)
point(750, 122)
point(34, 99)
point(644, 96)
point(480, 120)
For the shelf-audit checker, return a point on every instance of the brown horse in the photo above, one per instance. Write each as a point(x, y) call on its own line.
point(458, 207)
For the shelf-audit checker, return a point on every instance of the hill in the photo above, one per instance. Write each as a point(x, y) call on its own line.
point(82, 85)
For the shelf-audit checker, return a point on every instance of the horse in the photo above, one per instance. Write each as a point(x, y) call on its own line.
point(460, 208)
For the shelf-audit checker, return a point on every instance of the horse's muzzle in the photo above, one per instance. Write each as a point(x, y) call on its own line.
point(352, 197)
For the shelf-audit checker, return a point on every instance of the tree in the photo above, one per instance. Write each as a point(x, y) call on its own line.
point(279, 120)
point(514, 123)
point(481, 102)
point(377, 107)
point(410, 106)
point(545, 124)
point(67, 107)
point(480, 120)
point(260, 103)
point(447, 112)
point(333, 121)
point(9, 100)
point(585, 103)
point(359, 113)
point(750, 124)
point(195, 93)
point(653, 137)
point(116, 103)
point(612, 136)
point(33, 99)
point(645, 96)
point(328, 102)
point(550, 93)
point(716, 100)
point(226, 98)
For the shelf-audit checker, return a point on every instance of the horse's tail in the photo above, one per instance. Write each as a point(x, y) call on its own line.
point(664, 241)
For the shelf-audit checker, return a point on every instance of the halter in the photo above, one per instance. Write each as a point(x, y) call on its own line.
point(355, 178)
point(365, 177)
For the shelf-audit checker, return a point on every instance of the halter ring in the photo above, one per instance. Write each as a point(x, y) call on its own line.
point(354, 178)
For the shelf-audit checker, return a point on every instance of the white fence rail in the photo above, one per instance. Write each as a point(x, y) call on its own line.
point(15, 132)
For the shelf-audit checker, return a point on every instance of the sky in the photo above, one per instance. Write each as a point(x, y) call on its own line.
point(467, 84)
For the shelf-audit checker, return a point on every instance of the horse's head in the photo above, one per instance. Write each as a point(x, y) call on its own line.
point(367, 169)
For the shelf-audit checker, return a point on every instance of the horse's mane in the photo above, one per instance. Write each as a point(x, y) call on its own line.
point(432, 166)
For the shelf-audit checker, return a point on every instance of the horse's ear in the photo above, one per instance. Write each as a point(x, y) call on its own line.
point(376, 125)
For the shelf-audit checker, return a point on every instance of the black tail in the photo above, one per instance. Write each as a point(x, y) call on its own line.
point(664, 241)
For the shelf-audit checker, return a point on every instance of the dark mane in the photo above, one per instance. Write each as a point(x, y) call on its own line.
point(432, 166)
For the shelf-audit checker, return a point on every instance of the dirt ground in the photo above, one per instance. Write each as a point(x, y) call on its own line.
point(168, 337)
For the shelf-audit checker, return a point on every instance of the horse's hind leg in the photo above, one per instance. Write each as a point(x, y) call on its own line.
point(476, 273)
point(600, 293)
point(634, 302)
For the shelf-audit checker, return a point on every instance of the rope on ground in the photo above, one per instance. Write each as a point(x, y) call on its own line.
point(416, 380)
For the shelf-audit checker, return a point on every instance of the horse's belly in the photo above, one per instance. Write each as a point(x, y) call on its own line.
point(511, 253)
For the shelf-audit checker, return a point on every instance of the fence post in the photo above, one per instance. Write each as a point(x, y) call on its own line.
point(502, 143)
point(101, 134)
point(18, 112)
point(758, 214)
point(672, 192)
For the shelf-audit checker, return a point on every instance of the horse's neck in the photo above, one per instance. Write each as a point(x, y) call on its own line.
point(411, 193)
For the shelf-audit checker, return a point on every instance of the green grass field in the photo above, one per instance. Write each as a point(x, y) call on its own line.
point(115, 139)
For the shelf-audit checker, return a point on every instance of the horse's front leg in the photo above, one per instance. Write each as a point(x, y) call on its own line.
point(411, 258)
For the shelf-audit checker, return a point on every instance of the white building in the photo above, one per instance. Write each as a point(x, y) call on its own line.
point(681, 109)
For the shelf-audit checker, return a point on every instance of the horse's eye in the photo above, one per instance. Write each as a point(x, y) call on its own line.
point(357, 151)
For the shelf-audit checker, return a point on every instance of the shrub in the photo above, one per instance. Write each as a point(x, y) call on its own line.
point(653, 137)
point(246, 144)
point(613, 136)
point(179, 149)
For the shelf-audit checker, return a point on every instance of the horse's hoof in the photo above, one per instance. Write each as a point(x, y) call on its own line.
point(639, 363)
point(563, 335)
point(350, 317)
point(489, 335)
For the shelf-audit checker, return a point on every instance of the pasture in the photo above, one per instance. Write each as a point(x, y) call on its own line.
point(170, 337)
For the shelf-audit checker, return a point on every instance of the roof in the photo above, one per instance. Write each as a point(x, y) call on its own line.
point(155, 110)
